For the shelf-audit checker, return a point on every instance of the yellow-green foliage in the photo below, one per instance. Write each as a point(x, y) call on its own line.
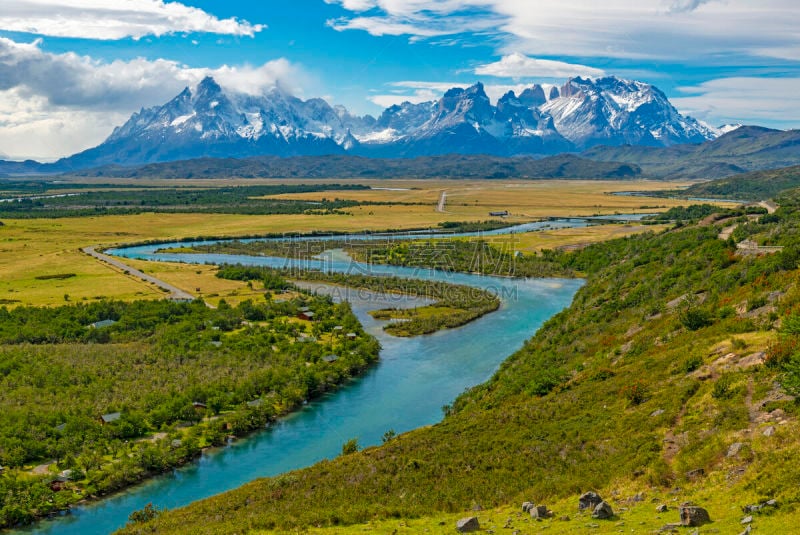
point(562, 416)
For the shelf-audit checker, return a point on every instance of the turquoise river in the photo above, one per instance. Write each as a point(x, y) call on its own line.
point(407, 389)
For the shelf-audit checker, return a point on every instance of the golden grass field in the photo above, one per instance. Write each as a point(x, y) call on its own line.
point(45, 247)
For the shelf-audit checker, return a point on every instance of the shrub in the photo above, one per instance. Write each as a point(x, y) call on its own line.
point(351, 446)
point(695, 318)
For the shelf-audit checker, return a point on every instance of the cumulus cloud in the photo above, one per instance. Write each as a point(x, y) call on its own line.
point(659, 29)
point(55, 104)
point(519, 66)
point(746, 100)
point(104, 19)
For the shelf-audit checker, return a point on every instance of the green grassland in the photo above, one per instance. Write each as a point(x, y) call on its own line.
point(672, 374)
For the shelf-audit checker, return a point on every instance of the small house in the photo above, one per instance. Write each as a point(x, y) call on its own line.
point(330, 358)
point(176, 443)
point(351, 336)
point(338, 329)
point(503, 213)
point(199, 405)
point(305, 315)
point(255, 403)
point(110, 417)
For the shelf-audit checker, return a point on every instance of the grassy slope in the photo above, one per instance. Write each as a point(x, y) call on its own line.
point(575, 409)
point(753, 186)
point(749, 148)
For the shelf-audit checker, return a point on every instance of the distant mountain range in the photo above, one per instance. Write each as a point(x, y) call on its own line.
point(207, 121)
point(348, 166)
point(629, 125)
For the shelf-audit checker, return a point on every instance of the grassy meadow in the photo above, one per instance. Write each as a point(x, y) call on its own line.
point(31, 248)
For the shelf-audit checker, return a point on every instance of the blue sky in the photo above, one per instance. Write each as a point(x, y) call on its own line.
point(70, 70)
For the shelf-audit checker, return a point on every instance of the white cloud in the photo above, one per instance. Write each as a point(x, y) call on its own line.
point(114, 19)
point(746, 100)
point(518, 66)
point(53, 105)
point(664, 29)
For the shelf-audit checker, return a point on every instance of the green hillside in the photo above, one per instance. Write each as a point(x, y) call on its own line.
point(337, 166)
point(757, 185)
point(749, 148)
point(664, 375)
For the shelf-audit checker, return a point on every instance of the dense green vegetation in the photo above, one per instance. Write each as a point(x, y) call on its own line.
point(649, 377)
point(489, 257)
point(345, 166)
point(170, 377)
point(756, 186)
point(227, 200)
point(453, 305)
point(696, 212)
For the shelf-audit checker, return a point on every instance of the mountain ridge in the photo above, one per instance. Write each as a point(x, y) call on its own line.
point(209, 121)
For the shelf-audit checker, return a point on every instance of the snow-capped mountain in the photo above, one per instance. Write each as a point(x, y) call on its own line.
point(611, 111)
point(209, 121)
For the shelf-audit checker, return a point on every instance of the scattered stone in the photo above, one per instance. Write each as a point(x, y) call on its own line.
point(589, 500)
point(636, 498)
point(538, 512)
point(669, 527)
point(693, 516)
point(734, 449)
point(658, 412)
point(526, 506)
point(477, 507)
point(747, 520)
point(663, 508)
point(468, 525)
point(747, 530)
point(769, 431)
point(603, 511)
point(695, 474)
point(755, 508)
point(564, 518)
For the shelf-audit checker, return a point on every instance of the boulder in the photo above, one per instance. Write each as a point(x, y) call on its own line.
point(693, 516)
point(734, 449)
point(603, 511)
point(662, 508)
point(526, 506)
point(468, 525)
point(589, 500)
point(538, 511)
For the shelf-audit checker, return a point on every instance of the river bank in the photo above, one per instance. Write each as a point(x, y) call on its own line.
point(407, 389)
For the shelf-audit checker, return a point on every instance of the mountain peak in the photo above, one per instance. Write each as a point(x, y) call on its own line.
point(208, 86)
point(208, 121)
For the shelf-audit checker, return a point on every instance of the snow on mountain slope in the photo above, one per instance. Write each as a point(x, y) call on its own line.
point(541, 120)
point(612, 111)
